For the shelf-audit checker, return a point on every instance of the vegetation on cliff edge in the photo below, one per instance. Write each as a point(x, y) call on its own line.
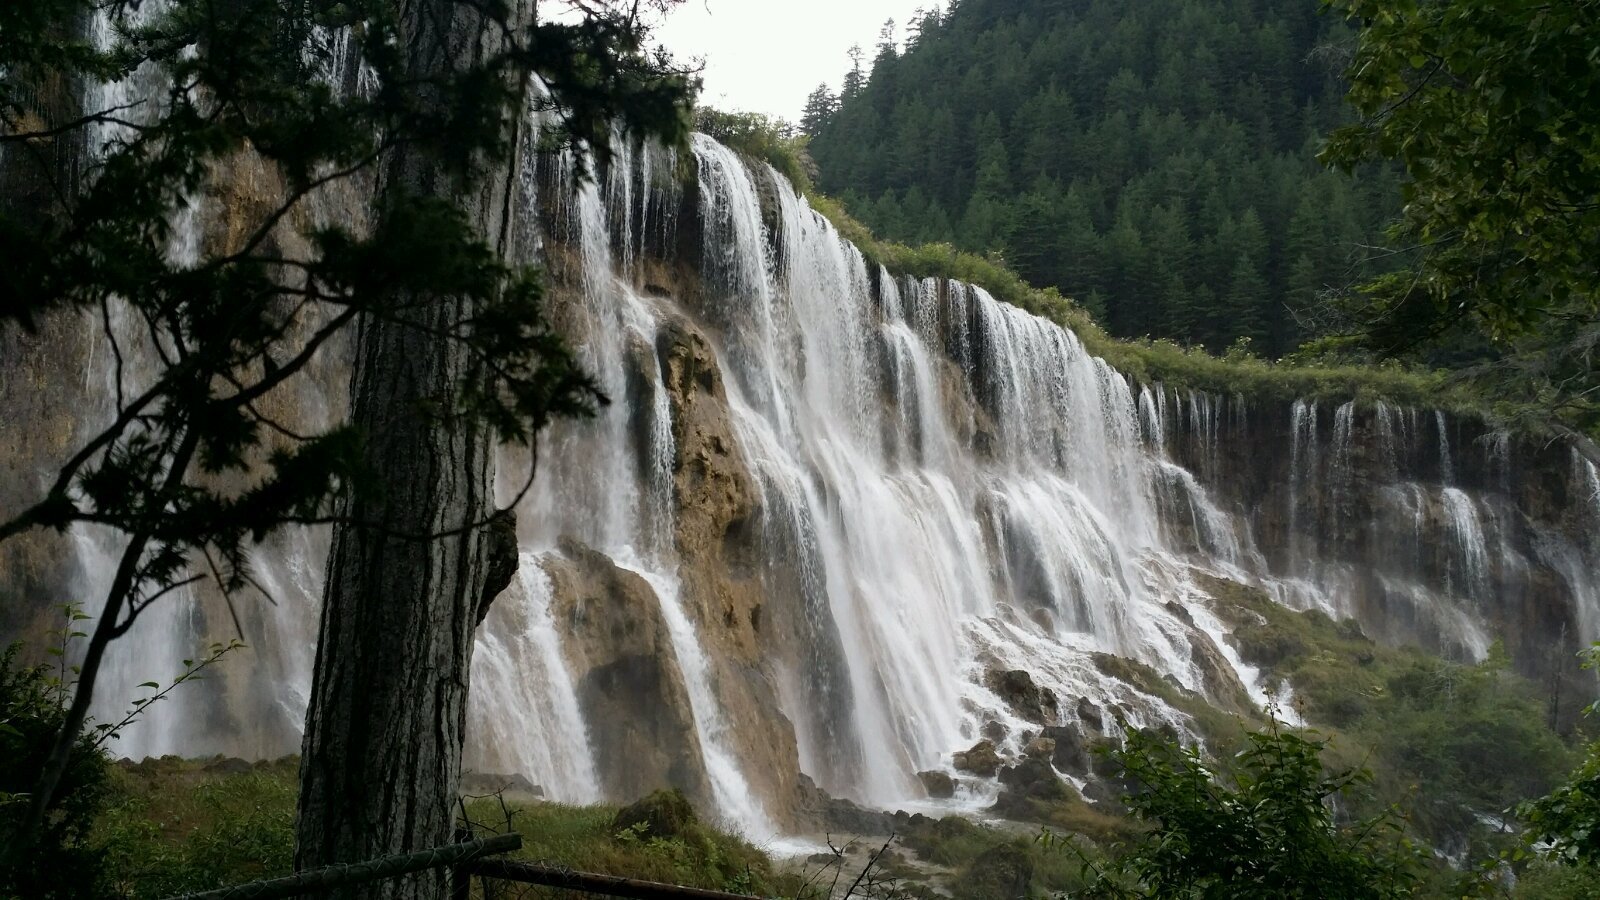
point(1238, 371)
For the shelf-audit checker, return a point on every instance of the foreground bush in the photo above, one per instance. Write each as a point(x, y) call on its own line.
point(1261, 826)
point(58, 860)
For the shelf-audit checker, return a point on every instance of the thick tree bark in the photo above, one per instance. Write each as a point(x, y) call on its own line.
point(384, 732)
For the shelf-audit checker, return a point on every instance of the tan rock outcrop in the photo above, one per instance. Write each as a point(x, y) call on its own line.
point(716, 507)
point(641, 725)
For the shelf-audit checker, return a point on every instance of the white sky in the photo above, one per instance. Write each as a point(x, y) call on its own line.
point(767, 55)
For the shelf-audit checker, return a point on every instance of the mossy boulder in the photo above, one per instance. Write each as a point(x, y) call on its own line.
point(1003, 872)
point(663, 814)
point(982, 759)
point(1026, 698)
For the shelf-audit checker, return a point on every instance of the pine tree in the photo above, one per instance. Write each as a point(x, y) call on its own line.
point(260, 86)
point(854, 79)
point(819, 110)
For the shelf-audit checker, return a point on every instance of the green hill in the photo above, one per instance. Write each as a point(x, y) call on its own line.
point(1154, 160)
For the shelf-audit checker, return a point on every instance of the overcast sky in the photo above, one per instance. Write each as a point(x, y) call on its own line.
point(767, 55)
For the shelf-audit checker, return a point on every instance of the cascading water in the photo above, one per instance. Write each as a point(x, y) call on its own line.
point(1470, 559)
point(941, 486)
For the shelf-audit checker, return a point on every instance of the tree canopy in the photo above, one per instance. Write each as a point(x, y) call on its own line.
point(1155, 161)
point(110, 134)
point(1259, 825)
point(1493, 109)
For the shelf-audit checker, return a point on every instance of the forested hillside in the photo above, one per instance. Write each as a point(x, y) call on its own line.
point(1156, 161)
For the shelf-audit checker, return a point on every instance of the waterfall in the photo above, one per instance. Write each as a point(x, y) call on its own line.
point(941, 486)
point(523, 697)
point(1470, 561)
point(1447, 468)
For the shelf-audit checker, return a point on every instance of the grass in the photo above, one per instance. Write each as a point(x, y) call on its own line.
point(582, 837)
point(175, 826)
point(172, 827)
point(1219, 728)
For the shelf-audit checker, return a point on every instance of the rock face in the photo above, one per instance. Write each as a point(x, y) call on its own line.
point(817, 810)
point(1405, 515)
point(626, 672)
point(715, 536)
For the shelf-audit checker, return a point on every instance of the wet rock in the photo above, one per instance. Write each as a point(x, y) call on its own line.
point(816, 808)
point(1041, 748)
point(1033, 792)
point(1070, 753)
point(1101, 761)
point(1106, 795)
point(663, 814)
point(1034, 779)
point(994, 731)
point(1222, 685)
point(1089, 715)
point(1043, 618)
point(939, 785)
point(982, 759)
point(626, 673)
point(1027, 699)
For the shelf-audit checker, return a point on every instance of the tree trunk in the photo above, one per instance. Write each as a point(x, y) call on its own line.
point(384, 732)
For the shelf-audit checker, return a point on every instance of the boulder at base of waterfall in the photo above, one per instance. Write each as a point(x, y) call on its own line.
point(1030, 780)
point(1040, 748)
point(939, 785)
point(663, 814)
point(1027, 699)
point(981, 760)
point(815, 808)
point(485, 783)
point(1089, 715)
point(1071, 753)
point(994, 731)
point(231, 765)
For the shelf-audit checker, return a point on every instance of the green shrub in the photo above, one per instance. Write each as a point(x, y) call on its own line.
point(663, 814)
point(1002, 872)
point(1547, 881)
point(770, 140)
point(1450, 741)
point(1258, 825)
point(58, 861)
